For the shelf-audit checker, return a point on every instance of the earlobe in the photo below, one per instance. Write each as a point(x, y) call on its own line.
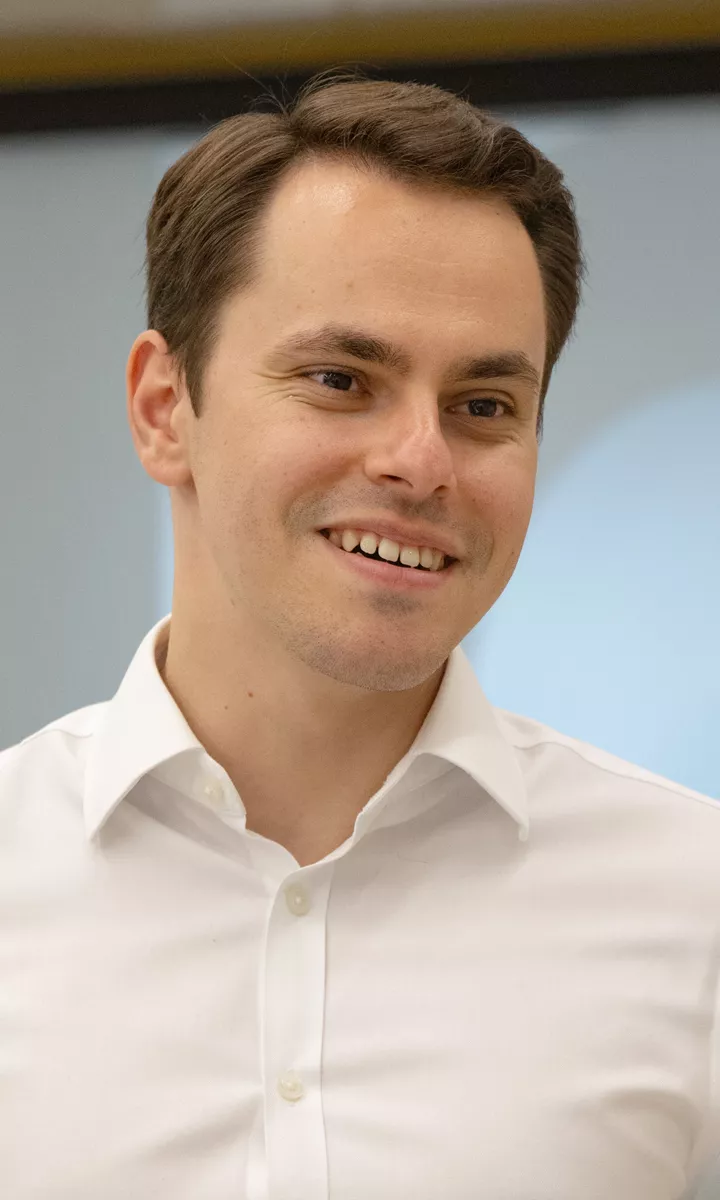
point(154, 399)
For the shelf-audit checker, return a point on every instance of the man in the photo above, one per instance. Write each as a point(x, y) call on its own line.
point(297, 914)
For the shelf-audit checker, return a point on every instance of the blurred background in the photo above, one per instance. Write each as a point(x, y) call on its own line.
point(609, 629)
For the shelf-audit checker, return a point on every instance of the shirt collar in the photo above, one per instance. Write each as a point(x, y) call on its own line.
point(463, 729)
point(142, 727)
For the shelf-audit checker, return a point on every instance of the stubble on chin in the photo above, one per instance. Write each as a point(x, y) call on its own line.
point(371, 667)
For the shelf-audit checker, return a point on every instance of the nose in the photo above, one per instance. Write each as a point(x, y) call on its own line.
point(410, 450)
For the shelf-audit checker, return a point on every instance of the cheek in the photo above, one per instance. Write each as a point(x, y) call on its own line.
point(503, 496)
point(517, 508)
point(502, 506)
point(266, 487)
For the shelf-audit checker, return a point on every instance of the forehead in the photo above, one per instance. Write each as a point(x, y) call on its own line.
point(397, 254)
point(333, 200)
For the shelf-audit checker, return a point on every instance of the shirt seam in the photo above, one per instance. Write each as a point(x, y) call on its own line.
point(38, 733)
point(654, 780)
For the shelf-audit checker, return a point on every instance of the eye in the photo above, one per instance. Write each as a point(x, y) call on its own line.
point(336, 380)
point(488, 407)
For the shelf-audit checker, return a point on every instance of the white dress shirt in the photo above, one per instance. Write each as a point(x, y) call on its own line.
point(502, 986)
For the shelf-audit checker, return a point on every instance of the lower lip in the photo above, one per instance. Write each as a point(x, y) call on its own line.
point(402, 579)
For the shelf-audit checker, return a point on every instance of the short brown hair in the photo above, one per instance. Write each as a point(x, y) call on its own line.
point(203, 226)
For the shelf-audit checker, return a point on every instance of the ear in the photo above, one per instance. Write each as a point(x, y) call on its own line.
point(158, 405)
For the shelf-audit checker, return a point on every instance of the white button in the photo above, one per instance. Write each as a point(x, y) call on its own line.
point(214, 793)
point(297, 899)
point(290, 1086)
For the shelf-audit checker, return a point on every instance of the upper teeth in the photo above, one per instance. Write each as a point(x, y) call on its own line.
point(369, 543)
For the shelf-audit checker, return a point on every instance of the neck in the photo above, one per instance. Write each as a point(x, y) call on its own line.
point(304, 752)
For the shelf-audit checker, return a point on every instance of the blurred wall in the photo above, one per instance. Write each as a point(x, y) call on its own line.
point(608, 629)
point(78, 515)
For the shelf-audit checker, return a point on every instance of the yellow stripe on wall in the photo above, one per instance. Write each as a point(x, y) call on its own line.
point(525, 31)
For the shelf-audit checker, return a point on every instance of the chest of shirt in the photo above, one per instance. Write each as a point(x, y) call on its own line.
point(181, 1025)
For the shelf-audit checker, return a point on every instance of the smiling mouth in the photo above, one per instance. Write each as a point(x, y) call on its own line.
point(391, 556)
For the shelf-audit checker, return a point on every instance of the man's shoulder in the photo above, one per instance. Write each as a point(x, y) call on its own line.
point(542, 748)
point(51, 751)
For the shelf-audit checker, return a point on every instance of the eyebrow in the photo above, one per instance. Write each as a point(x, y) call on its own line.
point(344, 339)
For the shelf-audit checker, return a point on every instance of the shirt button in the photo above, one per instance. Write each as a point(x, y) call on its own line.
point(214, 793)
point(290, 1087)
point(297, 899)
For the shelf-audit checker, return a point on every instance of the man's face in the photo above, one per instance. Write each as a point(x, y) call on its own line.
point(310, 425)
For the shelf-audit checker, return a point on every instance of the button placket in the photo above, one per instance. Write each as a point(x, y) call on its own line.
point(294, 998)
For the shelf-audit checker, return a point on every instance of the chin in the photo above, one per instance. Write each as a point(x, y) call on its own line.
point(375, 671)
